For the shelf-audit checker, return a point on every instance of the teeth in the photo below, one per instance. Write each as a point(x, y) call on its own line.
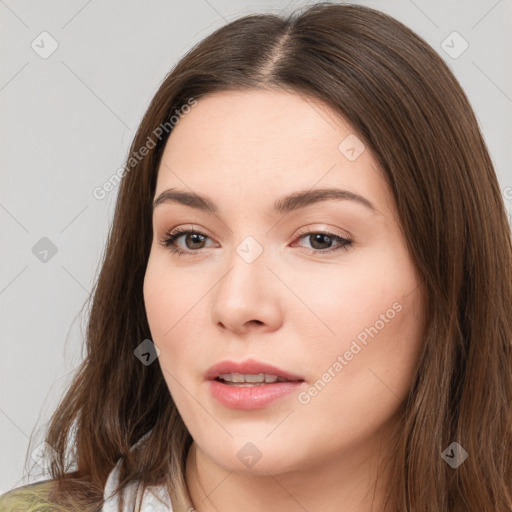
point(252, 379)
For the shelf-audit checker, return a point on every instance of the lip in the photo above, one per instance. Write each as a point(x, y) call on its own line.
point(251, 367)
point(250, 397)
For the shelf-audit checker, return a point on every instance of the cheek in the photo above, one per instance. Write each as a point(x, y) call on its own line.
point(167, 304)
point(158, 300)
point(175, 330)
point(363, 383)
point(376, 331)
point(370, 294)
point(168, 298)
point(171, 305)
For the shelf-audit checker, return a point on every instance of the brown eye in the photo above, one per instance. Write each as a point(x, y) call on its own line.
point(194, 240)
point(322, 242)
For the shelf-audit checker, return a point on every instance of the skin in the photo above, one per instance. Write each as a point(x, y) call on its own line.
point(290, 308)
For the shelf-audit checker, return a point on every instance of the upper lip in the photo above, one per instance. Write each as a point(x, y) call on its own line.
point(249, 367)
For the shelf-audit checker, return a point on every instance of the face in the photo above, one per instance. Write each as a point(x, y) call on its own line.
point(321, 288)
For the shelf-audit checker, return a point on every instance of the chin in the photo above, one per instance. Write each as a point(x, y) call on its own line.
point(257, 457)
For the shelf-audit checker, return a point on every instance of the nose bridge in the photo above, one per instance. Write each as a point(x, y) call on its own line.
point(249, 291)
point(248, 263)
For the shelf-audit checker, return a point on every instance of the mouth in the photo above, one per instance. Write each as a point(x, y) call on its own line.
point(250, 372)
point(251, 384)
point(244, 380)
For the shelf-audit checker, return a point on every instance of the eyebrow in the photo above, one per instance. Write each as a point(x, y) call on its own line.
point(294, 201)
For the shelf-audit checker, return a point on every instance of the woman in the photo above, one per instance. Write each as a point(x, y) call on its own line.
point(306, 298)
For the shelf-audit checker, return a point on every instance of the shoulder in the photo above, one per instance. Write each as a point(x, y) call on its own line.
point(155, 497)
point(27, 498)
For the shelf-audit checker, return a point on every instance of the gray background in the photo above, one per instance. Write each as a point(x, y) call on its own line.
point(67, 122)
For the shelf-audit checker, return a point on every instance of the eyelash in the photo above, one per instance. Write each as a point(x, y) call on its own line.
point(169, 239)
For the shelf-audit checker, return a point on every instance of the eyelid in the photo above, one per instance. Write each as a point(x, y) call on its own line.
point(181, 230)
point(169, 238)
point(310, 228)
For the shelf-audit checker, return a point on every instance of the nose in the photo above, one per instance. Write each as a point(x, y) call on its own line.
point(248, 297)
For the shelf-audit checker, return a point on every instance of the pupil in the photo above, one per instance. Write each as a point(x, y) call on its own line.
point(196, 235)
point(319, 237)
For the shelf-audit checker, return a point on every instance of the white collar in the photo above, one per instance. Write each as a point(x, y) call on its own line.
point(150, 501)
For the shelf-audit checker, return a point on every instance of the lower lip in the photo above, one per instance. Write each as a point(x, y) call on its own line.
point(251, 397)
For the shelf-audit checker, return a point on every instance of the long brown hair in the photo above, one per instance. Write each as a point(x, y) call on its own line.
point(405, 104)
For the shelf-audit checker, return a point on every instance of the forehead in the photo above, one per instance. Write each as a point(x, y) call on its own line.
point(244, 124)
point(266, 143)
